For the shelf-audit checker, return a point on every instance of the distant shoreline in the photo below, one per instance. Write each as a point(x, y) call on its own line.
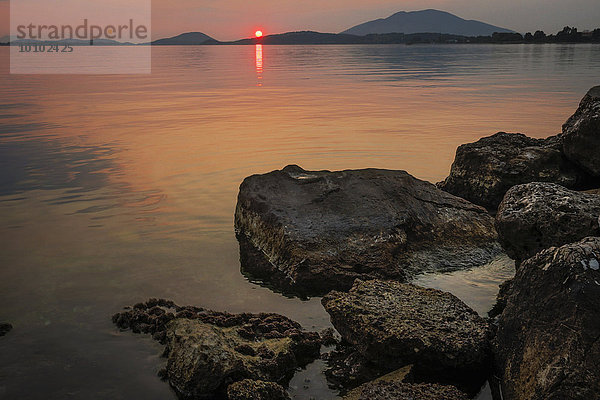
point(566, 36)
point(310, 44)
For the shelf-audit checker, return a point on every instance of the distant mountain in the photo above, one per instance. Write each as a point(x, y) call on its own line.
point(190, 38)
point(432, 21)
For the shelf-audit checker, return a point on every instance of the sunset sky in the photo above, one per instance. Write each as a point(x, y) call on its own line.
point(234, 19)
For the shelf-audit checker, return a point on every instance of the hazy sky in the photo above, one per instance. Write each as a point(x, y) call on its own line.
point(234, 19)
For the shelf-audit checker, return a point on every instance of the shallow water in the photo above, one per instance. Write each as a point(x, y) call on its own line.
point(114, 189)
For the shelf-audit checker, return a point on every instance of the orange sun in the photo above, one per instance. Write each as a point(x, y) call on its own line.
point(258, 34)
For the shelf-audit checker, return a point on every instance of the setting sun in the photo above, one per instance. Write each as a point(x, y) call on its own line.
point(258, 34)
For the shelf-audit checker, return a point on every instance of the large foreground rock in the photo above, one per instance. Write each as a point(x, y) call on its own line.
point(581, 133)
point(483, 171)
point(536, 216)
point(317, 231)
point(208, 350)
point(547, 345)
point(393, 324)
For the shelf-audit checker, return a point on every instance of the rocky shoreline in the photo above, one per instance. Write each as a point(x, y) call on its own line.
point(359, 236)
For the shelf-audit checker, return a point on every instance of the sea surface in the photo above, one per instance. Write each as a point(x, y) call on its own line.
point(117, 188)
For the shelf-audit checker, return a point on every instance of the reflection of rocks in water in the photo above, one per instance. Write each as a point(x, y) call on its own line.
point(388, 325)
point(316, 231)
point(208, 350)
point(310, 383)
point(5, 327)
point(477, 287)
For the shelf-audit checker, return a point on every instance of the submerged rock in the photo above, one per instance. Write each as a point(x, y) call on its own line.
point(546, 346)
point(536, 216)
point(484, 171)
point(392, 324)
point(581, 133)
point(207, 350)
point(5, 327)
point(313, 231)
point(256, 390)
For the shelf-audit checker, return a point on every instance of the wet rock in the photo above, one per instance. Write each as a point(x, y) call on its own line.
point(312, 231)
point(329, 337)
point(483, 171)
point(391, 325)
point(347, 367)
point(581, 133)
point(536, 216)
point(256, 390)
point(501, 299)
point(5, 327)
point(395, 390)
point(547, 343)
point(208, 350)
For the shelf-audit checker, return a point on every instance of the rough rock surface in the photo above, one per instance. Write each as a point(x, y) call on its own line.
point(393, 324)
point(208, 350)
point(318, 231)
point(547, 345)
point(535, 216)
point(395, 390)
point(256, 390)
point(483, 171)
point(5, 327)
point(581, 133)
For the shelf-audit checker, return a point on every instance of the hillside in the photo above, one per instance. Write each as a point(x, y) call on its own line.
point(433, 21)
point(190, 38)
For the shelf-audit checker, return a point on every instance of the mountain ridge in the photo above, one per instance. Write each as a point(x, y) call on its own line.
point(188, 38)
point(430, 20)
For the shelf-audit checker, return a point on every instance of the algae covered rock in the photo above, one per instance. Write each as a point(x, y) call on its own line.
point(208, 350)
point(248, 389)
point(393, 324)
point(535, 216)
point(405, 391)
point(546, 346)
point(484, 171)
point(313, 231)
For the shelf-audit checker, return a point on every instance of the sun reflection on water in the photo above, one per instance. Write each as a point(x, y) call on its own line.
point(259, 63)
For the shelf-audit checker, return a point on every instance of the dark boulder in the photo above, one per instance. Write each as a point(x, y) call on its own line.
point(313, 231)
point(208, 350)
point(391, 324)
point(5, 327)
point(535, 216)
point(483, 171)
point(546, 346)
point(256, 390)
point(581, 133)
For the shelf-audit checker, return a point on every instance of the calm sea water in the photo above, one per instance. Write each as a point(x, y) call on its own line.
point(114, 189)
